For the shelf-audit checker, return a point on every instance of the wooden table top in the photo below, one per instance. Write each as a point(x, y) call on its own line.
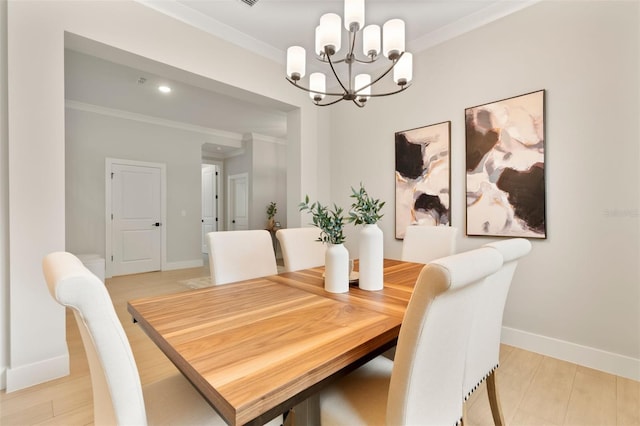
point(256, 348)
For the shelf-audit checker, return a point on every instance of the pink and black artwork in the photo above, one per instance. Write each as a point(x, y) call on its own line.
point(505, 183)
point(422, 177)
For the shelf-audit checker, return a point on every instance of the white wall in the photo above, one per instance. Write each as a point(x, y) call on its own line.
point(4, 199)
point(580, 285)
point(90, 138)
point(36, 208)
point(36, 143)
point(268, 180)
point(264, 160)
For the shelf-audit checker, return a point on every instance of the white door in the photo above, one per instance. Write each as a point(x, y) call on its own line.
point(238, 194)
point(210, 177)
point(136, 219)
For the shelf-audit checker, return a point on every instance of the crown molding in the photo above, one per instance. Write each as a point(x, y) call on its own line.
point(470, 22)
point(230, 138)
point(212, 26)
point(219, 29)
point(265, 138)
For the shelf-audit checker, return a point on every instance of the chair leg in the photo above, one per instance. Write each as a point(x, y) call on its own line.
point(494, 400)
point(464, 414)
point(290, 418)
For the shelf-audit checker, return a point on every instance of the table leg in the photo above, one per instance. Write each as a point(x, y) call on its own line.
point(307, 413)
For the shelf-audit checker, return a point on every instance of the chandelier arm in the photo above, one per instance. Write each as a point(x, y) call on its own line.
point(352, 39)
point(393, 64)
point(324, 61)
point(360, 105)
point(336, 74)
point(367, 61)
point(330, 103)
point(390, 93)
point(312, 91)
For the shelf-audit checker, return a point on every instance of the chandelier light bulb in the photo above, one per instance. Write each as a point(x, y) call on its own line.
point(403, 71)
point(393, 38)
point(296, 62)
point(371, 40)
point(353, 14)
point(319, 46)
point(363, 92)
point(330, 32)
point(317, 85)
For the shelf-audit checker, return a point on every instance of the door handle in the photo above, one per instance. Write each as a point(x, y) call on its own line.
point(156, 224)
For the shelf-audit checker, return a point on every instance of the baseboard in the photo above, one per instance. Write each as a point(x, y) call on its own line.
point(609, 362)
point(36, 373)
point(3, 378)
point(170, 266)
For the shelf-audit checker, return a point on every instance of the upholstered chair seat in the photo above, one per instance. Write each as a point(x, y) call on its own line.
point(118, 397)
point(240, 255)
point(301, 248)
point(422, 243)
point(424, 385)
point(484, 342)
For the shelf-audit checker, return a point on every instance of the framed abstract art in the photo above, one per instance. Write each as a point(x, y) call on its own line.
point(505, 161)
point(422, 176)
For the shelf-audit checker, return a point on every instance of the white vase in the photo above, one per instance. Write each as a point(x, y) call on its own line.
point(336, 271)
point(371, 258)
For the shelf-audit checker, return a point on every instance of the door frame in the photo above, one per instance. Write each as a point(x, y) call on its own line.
point(109, 162)
point(218, 202)
point(222, 201)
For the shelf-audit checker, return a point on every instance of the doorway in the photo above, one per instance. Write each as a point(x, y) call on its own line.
point(238, 203)
point(135, 203)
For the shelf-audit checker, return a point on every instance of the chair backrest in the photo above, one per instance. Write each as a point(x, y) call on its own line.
point(428, 370)
point(484, 342)
point(240, 255)
point(117, 393)
point(301, 248)
point(423, 243)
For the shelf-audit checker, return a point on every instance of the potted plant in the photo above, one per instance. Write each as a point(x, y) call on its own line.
point(365, 211)
point(271, 213)
point(331, 224)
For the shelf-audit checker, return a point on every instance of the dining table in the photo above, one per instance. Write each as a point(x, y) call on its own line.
point(257, 348)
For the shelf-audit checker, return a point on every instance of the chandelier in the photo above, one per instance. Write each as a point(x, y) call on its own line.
point(327, 44)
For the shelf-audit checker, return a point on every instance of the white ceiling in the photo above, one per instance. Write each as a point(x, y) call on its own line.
point(115, 88)
point(268, 28)
point(271, 26)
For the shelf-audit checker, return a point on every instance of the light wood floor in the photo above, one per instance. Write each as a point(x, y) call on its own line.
point(534, 389)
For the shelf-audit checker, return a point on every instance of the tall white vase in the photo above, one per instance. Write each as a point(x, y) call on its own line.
point(371, 258)
point(336, 270)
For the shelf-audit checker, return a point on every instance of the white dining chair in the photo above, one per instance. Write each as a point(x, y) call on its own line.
point(423, 243)
point(424, 384)
point(118, 397)
point(484, 342)
point(240, 255)
point(301, 248)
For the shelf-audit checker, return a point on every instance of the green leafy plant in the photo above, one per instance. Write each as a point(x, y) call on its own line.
point(330, 222)
point(271, 210)
point(365, 209)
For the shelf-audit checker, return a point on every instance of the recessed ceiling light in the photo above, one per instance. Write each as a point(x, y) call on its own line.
point(164, 89)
